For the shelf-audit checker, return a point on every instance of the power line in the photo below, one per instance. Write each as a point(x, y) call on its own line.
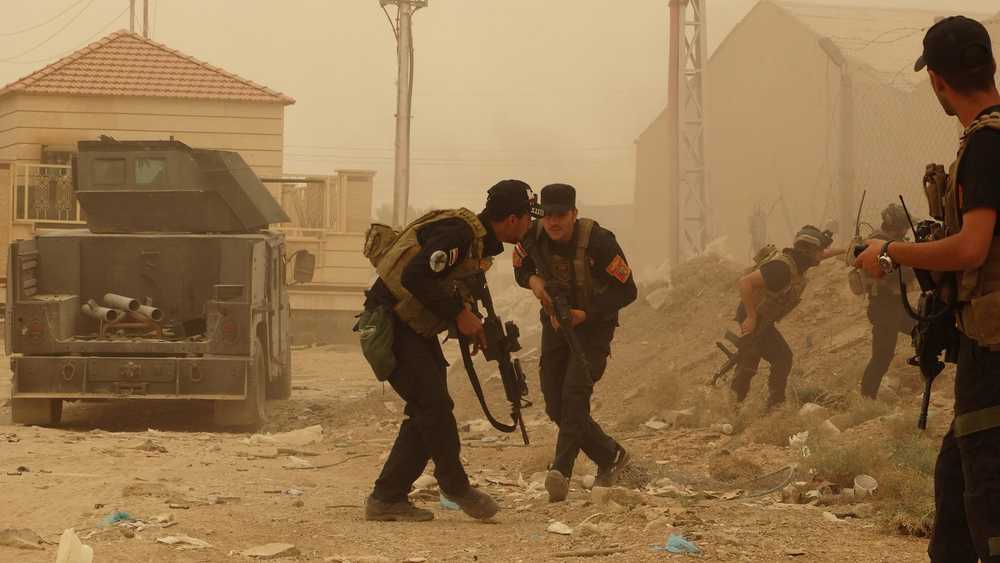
point(85, 42)
point(44, 23)
point(608, 148)
point(49, 38)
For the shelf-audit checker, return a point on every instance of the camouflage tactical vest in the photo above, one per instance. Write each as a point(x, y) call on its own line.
point(978, 290)
point(775, 305)
point(392, 263)
point(571, 276)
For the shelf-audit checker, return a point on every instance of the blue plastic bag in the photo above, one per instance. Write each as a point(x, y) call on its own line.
point(677, 544)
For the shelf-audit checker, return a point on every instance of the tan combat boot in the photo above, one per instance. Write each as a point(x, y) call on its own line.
point(557, 485)
point(381, 511)
point(477, 504)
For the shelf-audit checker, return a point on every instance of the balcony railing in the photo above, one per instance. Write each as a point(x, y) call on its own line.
point(43, 193)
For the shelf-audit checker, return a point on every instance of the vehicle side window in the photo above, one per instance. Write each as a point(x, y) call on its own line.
point(109, 171)
point(150, 171)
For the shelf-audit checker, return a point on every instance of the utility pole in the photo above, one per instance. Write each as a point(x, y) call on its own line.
point(689, 193)
point(131, 16)
point(404, 96)
point(145, 18)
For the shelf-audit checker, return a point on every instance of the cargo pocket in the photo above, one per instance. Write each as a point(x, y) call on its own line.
point(376, 329)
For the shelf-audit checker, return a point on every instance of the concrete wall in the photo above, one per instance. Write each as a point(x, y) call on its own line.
point(255, 130)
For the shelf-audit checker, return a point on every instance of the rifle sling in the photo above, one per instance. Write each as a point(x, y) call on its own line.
point(977, 421)
point(470, 369)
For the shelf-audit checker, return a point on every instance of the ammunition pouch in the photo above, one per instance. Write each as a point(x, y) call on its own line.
point(979, 319)
point(376, 330)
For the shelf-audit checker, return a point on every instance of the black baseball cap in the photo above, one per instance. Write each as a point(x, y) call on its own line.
point(954, 44)
point(558, 198)
point(512, 197)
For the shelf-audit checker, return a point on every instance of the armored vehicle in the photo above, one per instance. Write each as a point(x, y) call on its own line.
point(176, 290)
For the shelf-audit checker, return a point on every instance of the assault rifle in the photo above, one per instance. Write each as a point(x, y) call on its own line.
point(743, 346)
point(501, 342)
point(561, 310)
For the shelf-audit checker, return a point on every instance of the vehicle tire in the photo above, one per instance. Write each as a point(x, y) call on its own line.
point(252, 411)
point(36, 412)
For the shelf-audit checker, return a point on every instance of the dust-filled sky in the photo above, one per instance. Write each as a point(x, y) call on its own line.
point(544, 90)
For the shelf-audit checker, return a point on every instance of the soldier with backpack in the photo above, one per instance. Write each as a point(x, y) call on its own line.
point(418, 295)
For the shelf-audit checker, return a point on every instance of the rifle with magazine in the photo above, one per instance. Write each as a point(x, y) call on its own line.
point(501, 343)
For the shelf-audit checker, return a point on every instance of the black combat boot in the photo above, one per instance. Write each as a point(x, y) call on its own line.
point(476, 504)
point(381, 511)
point(608, 476)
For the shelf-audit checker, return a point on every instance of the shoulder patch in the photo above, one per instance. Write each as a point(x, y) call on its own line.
point(438, 261)
point(619, 269)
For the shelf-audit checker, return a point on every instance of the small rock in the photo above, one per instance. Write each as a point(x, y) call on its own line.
point(20, 538)
point(425, 482)
point(620, 495)
point(357, 559)
point(127, 532)
point(298, 503)
point(559, 528)
point(415, 560)
point(829, 429)
point(176, 506)
point(162, 518)
point(150, 446)
point(23, 469)
point(192, 543)
point(587, 482)
point(293, 462)
point(795, 552)
point(654, 424)
point(831, 517)
point(271, 551)
point(588, 530)
point(812, 409)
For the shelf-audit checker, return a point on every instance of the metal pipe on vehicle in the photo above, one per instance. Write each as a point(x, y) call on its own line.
point(106, 314)
point(116, 301)
point(151, 313)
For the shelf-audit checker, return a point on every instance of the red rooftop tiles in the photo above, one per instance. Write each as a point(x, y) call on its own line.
point(127, 64)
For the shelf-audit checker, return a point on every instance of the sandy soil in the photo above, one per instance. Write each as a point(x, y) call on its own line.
point(224, 494)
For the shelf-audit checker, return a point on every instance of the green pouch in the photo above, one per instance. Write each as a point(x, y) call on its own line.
point(375, 328)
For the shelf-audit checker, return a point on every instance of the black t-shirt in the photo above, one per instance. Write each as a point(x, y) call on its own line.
point(979, 173)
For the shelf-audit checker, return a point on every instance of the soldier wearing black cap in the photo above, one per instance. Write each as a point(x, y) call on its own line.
point(587, 265)
point(959, 59)
point(767, 293)
point(413, 295)
point(885, 308)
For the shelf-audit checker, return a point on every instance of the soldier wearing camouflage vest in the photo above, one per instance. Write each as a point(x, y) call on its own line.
point(417, 296)
point(767, 294)
point(885, 307)
point(587, 265)
point(960, 63)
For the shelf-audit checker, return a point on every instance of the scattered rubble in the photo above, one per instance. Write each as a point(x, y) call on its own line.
point(271, 551)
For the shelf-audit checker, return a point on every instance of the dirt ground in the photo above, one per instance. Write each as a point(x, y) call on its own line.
point(152, 459)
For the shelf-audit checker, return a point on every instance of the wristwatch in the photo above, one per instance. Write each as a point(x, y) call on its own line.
point(884, 261)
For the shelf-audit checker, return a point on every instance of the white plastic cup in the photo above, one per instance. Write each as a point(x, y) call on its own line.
point(865, 485)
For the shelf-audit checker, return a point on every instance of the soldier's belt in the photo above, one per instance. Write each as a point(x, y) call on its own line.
point(977, 421)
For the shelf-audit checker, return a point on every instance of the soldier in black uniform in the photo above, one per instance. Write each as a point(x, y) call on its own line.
point(590, 268)
point(767, 294)
point(959, 59)
point(417, 275)
point(885, 307)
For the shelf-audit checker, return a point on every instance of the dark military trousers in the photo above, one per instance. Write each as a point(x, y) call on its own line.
point(429, 430)
point(771, 346)
point(567, 388)
point(967, 474)
point(889, 320)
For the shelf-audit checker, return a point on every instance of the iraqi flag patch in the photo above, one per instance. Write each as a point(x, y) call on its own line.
point(619, 269)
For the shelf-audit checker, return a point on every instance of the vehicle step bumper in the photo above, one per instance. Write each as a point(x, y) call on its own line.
point(85, 377)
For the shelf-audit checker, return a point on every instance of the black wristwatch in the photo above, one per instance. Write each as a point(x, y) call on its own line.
point(884, 261)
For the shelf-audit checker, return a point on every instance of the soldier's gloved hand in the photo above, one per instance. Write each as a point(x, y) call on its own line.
point(471, 327)
point(537, 285)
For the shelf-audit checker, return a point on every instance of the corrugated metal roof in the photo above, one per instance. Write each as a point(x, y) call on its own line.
point(888, 40)
point(127, 64)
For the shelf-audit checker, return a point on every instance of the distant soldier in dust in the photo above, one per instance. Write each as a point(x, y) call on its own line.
point(885, 307)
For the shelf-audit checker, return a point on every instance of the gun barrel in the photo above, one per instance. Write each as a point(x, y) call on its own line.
point(116, 301)
point(105, 314)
